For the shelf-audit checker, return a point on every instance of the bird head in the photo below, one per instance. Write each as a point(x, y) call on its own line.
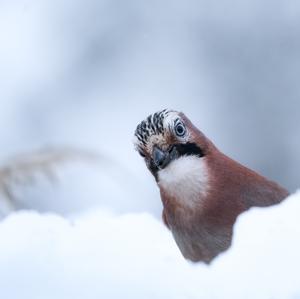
point(166, 136)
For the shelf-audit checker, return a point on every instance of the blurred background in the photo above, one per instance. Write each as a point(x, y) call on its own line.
point(83, 74)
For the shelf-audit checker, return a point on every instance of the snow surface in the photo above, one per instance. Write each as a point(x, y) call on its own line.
point(99, 254)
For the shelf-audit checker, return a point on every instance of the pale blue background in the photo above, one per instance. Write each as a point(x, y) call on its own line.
point(84, 73)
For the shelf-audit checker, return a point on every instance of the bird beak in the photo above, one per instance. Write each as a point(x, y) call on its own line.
point(162, 158)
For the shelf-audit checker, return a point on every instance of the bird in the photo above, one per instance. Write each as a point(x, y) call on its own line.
point(202, 190)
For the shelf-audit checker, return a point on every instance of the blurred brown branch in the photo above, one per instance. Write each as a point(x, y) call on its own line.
point(23, 169)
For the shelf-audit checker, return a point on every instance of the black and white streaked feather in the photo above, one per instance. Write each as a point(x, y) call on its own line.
point(152, 125)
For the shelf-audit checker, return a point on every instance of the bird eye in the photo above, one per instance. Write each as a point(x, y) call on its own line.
point(180, 130)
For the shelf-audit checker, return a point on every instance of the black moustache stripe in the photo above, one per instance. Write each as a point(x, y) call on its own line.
point(189, 149)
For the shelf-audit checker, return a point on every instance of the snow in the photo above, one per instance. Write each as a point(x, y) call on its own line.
point(99, 254)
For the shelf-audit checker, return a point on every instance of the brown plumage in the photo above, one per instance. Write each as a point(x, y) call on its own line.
point(202, 190)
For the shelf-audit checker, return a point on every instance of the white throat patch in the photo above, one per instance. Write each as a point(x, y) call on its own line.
point(185, 179)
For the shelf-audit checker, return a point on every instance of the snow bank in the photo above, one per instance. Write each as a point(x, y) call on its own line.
point(102, 255)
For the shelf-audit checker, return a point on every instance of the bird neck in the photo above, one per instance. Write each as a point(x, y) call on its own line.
point(185, 180)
